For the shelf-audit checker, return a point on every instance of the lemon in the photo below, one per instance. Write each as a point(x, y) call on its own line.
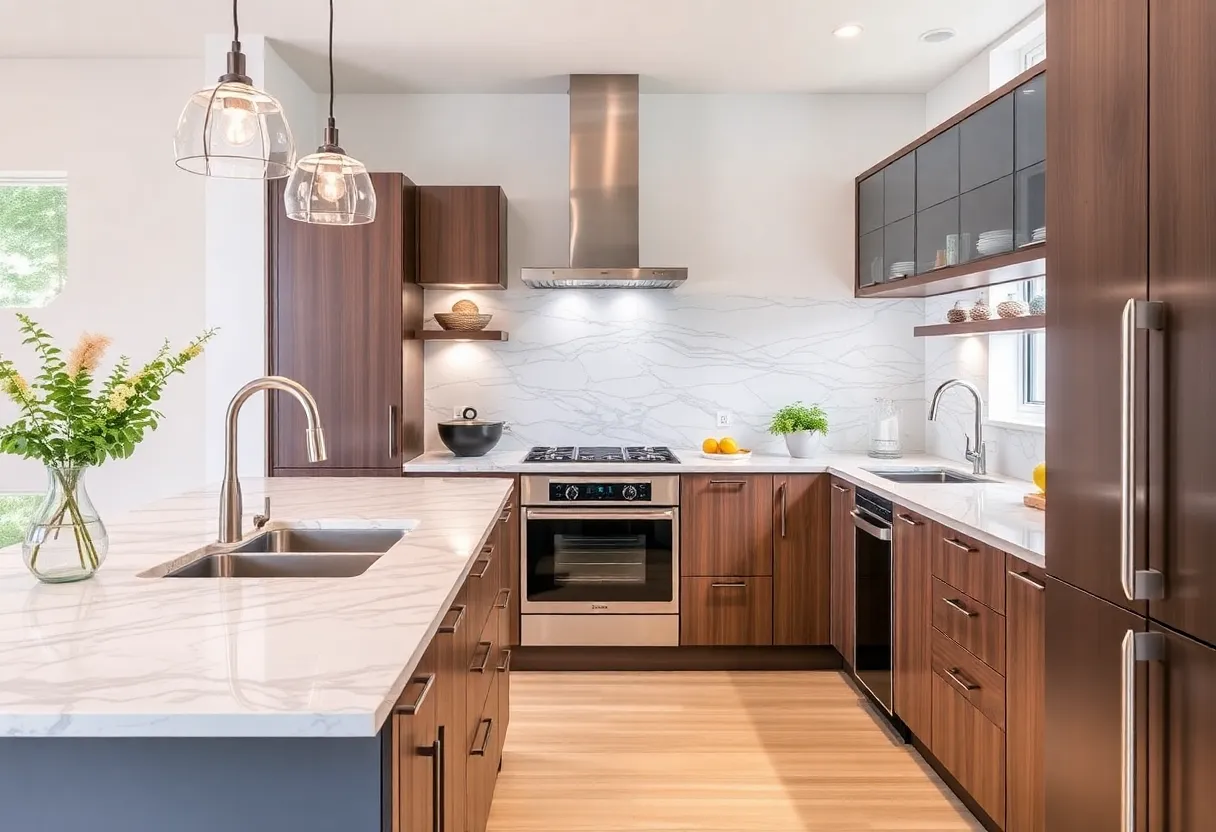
point(728, 446)
point(1040, 476)
point(710, 446)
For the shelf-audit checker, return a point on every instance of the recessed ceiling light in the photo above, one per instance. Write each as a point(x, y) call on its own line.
point(848, 30)
point(938, 35)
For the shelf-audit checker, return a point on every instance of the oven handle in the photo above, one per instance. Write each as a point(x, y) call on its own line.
point(881, 532)
point(596, 514)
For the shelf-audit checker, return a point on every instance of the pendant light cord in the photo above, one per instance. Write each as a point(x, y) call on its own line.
point(236, 25)
point(331, 62)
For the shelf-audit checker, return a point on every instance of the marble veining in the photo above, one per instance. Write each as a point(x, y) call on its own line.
point(644, 366)
point(121, 655)
point(992, 512)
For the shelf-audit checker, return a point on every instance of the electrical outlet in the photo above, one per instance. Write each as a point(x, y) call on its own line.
point(725, 419)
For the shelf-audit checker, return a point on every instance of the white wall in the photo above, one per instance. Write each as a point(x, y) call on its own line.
point(135, 245)
point(753, 193)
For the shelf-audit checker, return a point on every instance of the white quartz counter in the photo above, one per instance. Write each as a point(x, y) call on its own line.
point(120, 655)
point(992, 512)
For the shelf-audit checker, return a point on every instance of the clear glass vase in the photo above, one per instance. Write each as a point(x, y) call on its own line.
point(67, 540)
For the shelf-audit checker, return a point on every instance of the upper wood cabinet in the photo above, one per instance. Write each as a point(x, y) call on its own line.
point(727, 526)
point(339, 300)
point(802, 563)
point(959, 207)
point(462, 237)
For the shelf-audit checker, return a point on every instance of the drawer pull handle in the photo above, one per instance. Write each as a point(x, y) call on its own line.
point(731, 585)
point(728, 482)
point(840, 488)
point(908, 519)
point(505, 517)
point(448, 629)
point(956, 605)
point(506, 662)
point(958, 679)
point(480, 751)
point(427, 682)
point(1026, 579)
point(485, 659)
point(488, 550)
point(485, 567)
point(504, 598)
point(959, 545)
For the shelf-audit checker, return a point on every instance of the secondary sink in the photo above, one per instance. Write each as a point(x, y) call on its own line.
point(321, 540)
point(231, 565)
point(941, 476)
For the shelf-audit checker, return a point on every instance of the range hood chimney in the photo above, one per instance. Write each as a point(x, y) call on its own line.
point(603, 192)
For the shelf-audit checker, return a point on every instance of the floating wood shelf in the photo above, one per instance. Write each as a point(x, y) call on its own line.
point(1022, 324)
point(459, 335)
point(1022, 264)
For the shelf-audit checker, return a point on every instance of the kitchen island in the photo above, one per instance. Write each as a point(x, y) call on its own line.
point(133, 703)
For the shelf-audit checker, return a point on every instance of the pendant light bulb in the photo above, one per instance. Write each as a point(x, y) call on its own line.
point(233, 130)
point(328, 187)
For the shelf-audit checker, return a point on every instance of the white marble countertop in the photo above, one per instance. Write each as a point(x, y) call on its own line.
point(991, 511)
point(120, 655)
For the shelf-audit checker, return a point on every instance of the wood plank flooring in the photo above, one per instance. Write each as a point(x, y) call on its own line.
point(722, 752)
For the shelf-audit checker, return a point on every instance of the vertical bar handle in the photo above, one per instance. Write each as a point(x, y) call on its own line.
point(1137, 647)
point(435, 752)
point(784, 505)
point(393, 448)
point(1145, 584)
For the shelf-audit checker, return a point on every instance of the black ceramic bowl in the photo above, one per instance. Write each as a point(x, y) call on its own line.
point(470, 436)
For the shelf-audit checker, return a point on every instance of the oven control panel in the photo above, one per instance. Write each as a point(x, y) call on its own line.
point(594, 492)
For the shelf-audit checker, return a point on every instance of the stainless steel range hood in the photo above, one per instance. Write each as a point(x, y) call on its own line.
point(603, 192)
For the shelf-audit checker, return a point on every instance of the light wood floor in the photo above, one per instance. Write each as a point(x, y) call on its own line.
point(726, 752)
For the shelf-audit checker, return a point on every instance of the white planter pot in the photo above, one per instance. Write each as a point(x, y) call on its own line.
point(803, 444)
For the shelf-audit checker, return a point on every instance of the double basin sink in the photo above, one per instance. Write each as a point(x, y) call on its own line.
point(287, 553)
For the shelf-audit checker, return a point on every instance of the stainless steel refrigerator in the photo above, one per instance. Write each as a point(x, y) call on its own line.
point(1131, 416)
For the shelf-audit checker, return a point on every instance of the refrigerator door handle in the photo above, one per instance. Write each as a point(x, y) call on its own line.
point(1142, 584)
point(1137, 647)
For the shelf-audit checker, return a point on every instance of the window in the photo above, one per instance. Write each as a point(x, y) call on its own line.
point(1034, 52)
point(33, 238)
point(16, 511)
point(1033, 361)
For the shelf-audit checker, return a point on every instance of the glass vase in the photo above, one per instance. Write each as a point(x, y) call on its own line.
point(67, 540)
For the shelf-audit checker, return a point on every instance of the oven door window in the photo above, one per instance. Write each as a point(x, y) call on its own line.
point(584, 559)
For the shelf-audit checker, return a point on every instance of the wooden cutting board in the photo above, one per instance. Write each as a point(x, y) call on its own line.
point(1036, 501)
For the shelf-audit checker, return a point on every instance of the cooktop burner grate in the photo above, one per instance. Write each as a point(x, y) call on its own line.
point(601, 453)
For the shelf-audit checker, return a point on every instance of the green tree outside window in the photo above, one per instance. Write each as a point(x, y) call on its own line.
point(33, 241)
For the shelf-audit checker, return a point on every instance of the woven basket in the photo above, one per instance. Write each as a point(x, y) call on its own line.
point(464, 323)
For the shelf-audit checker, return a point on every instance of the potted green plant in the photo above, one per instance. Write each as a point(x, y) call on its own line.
point(803, 428)
point(70, 428)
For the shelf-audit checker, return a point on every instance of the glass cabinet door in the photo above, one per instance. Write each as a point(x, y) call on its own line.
point(869, 258)
point(899, 247)
point(937, 236)
point(899, 189)
point(869, 212)
point(986, 145)
point(1030, 224)
point(937, 170)
point(1030, 118)
point(987, 220)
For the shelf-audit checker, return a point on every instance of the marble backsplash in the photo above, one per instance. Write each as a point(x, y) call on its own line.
point(634, 366)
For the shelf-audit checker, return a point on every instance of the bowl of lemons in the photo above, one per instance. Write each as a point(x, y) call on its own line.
point(724, 448)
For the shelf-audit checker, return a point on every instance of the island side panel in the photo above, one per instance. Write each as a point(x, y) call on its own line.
point(135, 784)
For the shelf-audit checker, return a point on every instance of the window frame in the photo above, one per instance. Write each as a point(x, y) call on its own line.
point(1030, 363)
point(1033, 52)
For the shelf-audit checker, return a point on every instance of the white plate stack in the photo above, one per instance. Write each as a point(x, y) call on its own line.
point(902, 269)
point(1039, 234)
point(994, 242)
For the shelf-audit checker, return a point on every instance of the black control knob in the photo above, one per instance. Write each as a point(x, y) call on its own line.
point(571, 492)
point(630, 492)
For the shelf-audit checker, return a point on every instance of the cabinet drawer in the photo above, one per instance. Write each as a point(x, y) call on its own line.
point(483, 744)
point(726, 524)
point(726, 611)
point(970, 747)
point(978, 683)
point(970, 623)
point(484, 663)
point(971, 566)
point(485, 580)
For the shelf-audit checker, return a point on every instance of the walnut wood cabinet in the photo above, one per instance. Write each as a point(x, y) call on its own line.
point(462, 237)
point(842, 537)
point(913, 654)
point(339, 302)
point(801, 559)
point(418, 751)
point(1025, 695)
point(727, 527)
point(726, 611)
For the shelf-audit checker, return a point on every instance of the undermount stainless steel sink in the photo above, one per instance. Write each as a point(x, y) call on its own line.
point(301, 541)
point(941, 476)
point(235, 565)
point(287, 553)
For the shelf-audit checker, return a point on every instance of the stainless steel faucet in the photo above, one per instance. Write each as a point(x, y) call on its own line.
point(978, 457)
point(231, 505)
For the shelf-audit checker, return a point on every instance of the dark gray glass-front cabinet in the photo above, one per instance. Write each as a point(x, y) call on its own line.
point(985, 145)
point(986, 220)
point(1030, 117)
point(869, 258)
point(899, 246)
point(899, 189)
point(869, 212)
point(937, 236)
point(937, 170)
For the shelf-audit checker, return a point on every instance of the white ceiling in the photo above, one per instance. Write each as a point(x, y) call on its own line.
point(530, 45)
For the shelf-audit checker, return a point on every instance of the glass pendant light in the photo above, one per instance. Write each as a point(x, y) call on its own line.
point(328, 187)
point(233, 130)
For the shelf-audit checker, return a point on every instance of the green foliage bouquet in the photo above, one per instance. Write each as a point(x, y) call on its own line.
point(68, 426)
point(797, 417)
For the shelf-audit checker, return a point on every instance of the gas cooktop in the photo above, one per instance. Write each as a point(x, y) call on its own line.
point(569, 453)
